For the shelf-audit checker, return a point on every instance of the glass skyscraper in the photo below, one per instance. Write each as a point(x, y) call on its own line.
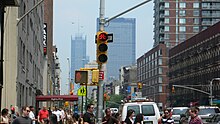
point(123, 49)
point(78, 55)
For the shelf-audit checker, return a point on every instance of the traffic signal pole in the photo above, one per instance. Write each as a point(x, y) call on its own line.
point(102, 22)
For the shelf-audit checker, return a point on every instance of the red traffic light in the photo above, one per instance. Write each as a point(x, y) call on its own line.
point(103, 36)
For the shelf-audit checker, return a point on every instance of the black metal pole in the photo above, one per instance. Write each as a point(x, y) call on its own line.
point(2, 50)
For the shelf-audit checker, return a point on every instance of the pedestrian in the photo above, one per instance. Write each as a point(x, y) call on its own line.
point(53, 119)
point(166, 117)
point(31, 115)
point(58, 113)
point(129, 118)
point(4, 116)
point(89, 117)
point(193, 112)
point(139, 119)
point(43, 115)
point(109, 119)
point(24, 118)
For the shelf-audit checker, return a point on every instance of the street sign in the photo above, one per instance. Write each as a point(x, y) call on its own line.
point(81, 91)
point(101, 75)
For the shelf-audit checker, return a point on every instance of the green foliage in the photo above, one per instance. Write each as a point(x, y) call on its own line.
point(115, 101)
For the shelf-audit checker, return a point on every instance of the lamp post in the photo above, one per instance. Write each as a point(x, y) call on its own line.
point(211, 97)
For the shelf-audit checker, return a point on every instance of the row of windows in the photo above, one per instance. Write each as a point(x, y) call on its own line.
point(183, 13)
point(150, 57)
point(151, 73)
point(182, 28)
point(181, 5)
point(200, 58)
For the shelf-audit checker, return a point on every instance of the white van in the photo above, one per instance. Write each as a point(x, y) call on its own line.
point(148, 109)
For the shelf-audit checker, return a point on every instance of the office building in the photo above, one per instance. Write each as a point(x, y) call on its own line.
point(78, 56)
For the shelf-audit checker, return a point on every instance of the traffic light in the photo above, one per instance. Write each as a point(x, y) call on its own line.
point(102, 47)
point(81, 76)
point(139, 85)
point(173, 89)
point(95, 76)
point(71, 92)
point(106, 97)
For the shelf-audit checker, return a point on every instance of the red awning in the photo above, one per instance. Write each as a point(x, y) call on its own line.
point(57, 98)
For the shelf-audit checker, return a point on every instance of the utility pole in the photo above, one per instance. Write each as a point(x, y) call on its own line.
point(102, 22)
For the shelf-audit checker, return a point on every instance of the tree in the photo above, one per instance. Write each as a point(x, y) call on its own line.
point(115, 101)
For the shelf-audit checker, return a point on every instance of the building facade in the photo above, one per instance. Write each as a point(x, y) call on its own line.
point(123, 49)
point(195, 63)
point(30, 57)
point(152, 69)
point(177, 20)
point(128, 86)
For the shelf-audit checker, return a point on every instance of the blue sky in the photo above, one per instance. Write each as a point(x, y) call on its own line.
point(79, 16)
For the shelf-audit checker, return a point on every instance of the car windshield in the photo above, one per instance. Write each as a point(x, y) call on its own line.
point(205, 111)
point(179, 111)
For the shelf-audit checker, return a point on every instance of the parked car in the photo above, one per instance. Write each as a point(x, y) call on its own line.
point(214, 120)
point(205, 113)
point(176, 112)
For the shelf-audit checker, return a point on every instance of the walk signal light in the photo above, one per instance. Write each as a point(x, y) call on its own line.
point(139, 85)
point(173, 89)
point(81, 76)
point(102, 47)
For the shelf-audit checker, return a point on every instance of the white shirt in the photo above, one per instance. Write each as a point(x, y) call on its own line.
point(58, 114)
point(32, 116)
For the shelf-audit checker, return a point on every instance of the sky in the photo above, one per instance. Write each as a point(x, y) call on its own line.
point(79, 16)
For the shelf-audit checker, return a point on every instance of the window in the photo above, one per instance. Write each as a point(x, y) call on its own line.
point(182, 36)
point(166, 36)
point(166, 12)
point(195, 28)
point(182, 12)
point(160, 61)
point(196, 13)
point(195, 5)
point(167, 21)
point(160, 70)
point(196, 20)
point(166, 28)
point(182, 5)
point(167, 5)
point(160, 88)
point(160, 52)
point(182, 29)
point(160, 80)
point(182, 21)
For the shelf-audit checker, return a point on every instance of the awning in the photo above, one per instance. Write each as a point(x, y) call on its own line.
point(57, 98)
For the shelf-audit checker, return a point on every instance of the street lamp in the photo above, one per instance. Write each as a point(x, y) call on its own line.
point(211, 97)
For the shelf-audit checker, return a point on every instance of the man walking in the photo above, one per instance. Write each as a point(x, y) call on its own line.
point(109, 119)
point(24, 119)
point(89, 117)
point(194, 117)
point(43, 115)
